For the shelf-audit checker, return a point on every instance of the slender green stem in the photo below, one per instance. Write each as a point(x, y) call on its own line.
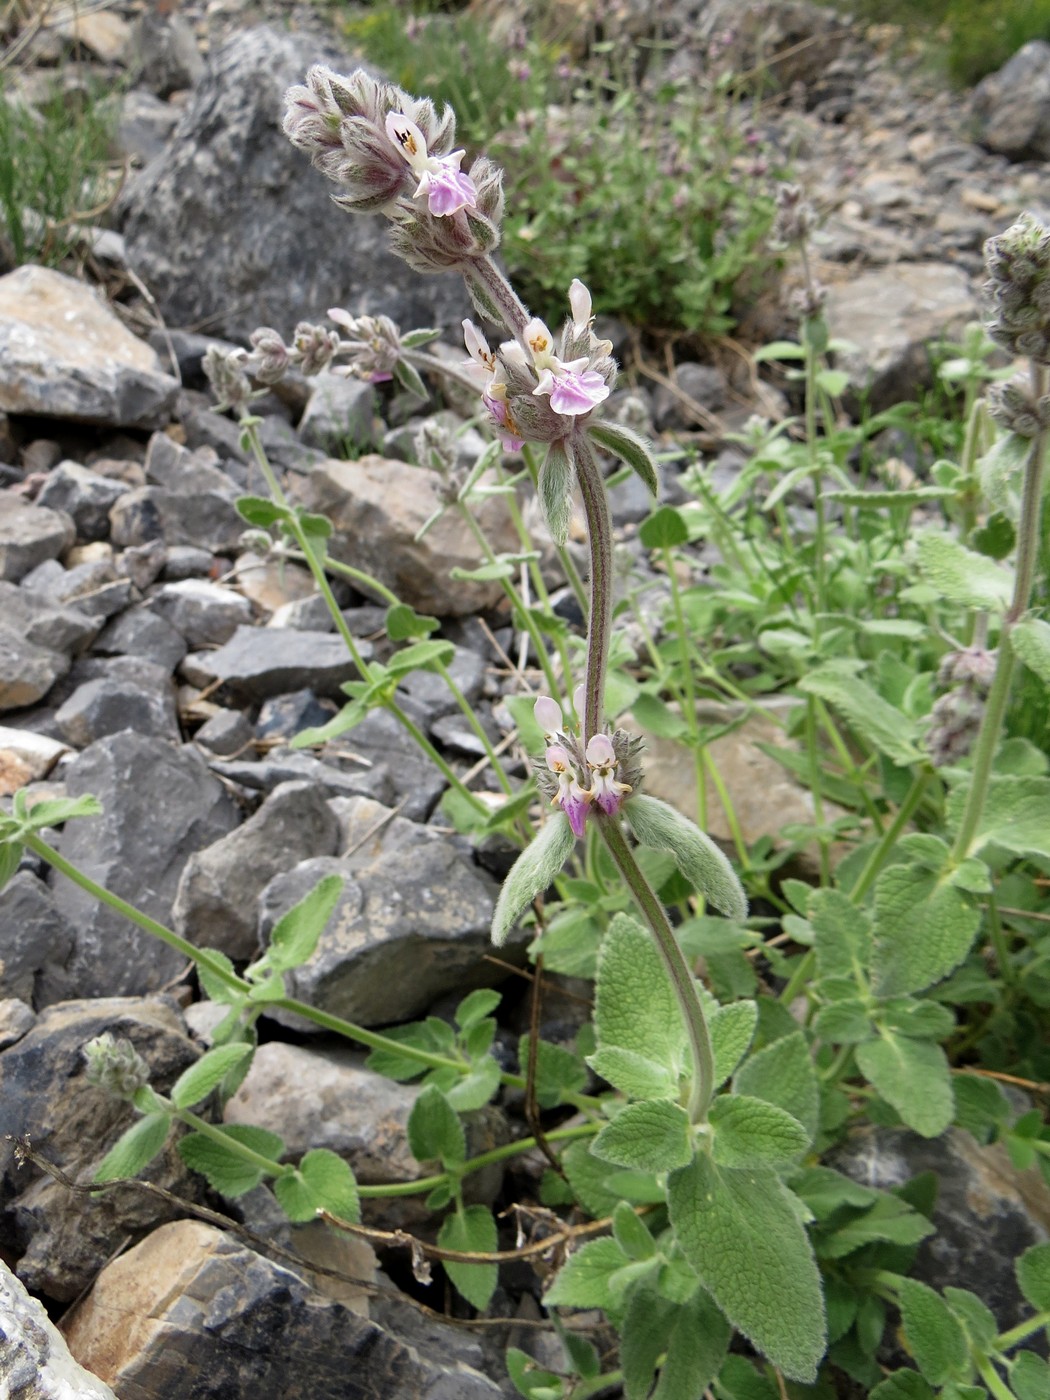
point(536, 574)
point(336, 566)
point(599, 530)
point(230, 1143)
point(470, 716)
point(999, 695)
point(702, 1087)
point(1006, 1341)
point(437, 759)
point(250, 426)
point(798, 979)
point(587, 1386)
point(891, 835)
point(816, 787)
point(422, 360)
point(991, 1376)
point(317, 567)
point(732, 820)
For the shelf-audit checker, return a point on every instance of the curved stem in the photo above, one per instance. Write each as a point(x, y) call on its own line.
point(495, 289)
point(599, 530)
point(702, 1088)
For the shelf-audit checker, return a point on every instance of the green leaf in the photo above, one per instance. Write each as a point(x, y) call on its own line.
point(214, 988)
point(322, 1181)
point(961, 576)
point(977, 1318)
point(297, 933)
point(558, 1071)
point(935, 1338)
point(750, 1131)
point(888, 1220)
point(135, 1148)
point(555, 488)
point(665, 529)
point(630, 447)
point(634, 1074)
point(842, 935)
point(225, 1170)
point(471, 1230)
point(996, 538)
point(200, 1079)
point(348, 716)
point(476, 1088)
point(631, 1234)
point(903, 1385)
point(532, 873)
point(421, 656)
point(260, 511)
point(697, 1342)
point(882, 725)
point(832, 381)
point(1030, 1376)
point(780, 350)
point(783, 1074)
point(913, 1077)
point(583, 1280)
point(475, 1006)
point(408, 377)
point(1030, 640)
point(656, 823)
point(404, 623)
point(423, 335)
point(879, 500)
point(741, 1232)
point(826, 1191)
point(10, 859)
point(1033, 1276)
point(527, 1376)
point(635, 1007)
point(56, 811)
point(657, 718)
point(589, 1178)
point(732, 1028)
point(909, 898)
point(434, 1130)
point(651, 1136)
point(1014, 816)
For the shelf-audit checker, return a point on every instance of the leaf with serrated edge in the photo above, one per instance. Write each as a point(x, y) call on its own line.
point(532, 873)
point(297, 933)
point(732, 1028)
point(935, 1338)
point(960, 575)
point(651, 1136)
point(903, 1385)
point(913, 1077)
point(783, 1074)
point(842, 935)
point(434, 1130)
point(634, 1005)
point(583, 1280)
point(696, 1348)
point(225, 1170)
point(881, 724)
point(924, 928)
point(207, 1074)
point(472, 1231)
point(1030, 640)
point(135, 1148)
point(742, 1235)
point(1033, 1276)
point(656, 823)
point(750, 1131)
point(1014, 815)
point(332, 1182)
point(633, 1074)
point(589, 1178)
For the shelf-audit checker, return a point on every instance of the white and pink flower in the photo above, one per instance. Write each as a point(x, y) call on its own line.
point(446, 188)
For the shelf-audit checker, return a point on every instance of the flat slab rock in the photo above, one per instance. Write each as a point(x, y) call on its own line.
point(64, 354)
point(35, 1363)
point(191, 1314)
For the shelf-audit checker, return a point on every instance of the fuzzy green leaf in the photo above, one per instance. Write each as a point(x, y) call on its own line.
point(633, 1074)
point(664, 529)
point(323, 1181)
point(135, 1148)
point(631, 1233)
point(225, 1170)
point(750, 1131)
point(913, 1077)
point(888, 1220)
point(935, 1338)
point(924, 927)
point(842, 935)
point(557, 1071)
point(471, 1230)
point(882, 725)
point(532, 873)
point(903, 1385)
point(635, 1007)
point(583, 1280)
point(298, 932)
point(405, 624)
point(408, 377)
point(589, 1178)
point(732, 1029)
point(977, 1318)
point(959, 575)
point(421, 656)
point(1015, 816)
point(214, 988)
point(651, 1136)
point(783, 1074)
point(1033, 1276)
point(1030, 1376)
point(630, 448)
point(700, 861)
point(691, 1336)
point(260, 511)
point(475, 1006)
point(555, 486)
point(741, 1232)
point(475, 1089)
point(207, 1074)
point(434, 1130)
point(1030, 640)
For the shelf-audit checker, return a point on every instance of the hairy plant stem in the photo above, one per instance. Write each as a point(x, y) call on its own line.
point(599, 532)
point(999, 694)
point(891, 835)
point(486, 276)
point(702, 1088)
point(1006, 1341)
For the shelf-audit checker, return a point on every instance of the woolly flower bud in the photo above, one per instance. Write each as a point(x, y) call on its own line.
point(270, 359)
point(794, 217)
point(115, 1065)
point(314, 346)
point(1015, 408)
point(225, 372)
point(435, 447)
point(972, 667)
point(372, 348)
point(954, 724)
point(1018, 289)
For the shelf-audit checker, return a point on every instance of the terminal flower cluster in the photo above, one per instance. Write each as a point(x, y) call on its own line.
point(603, 773)
point(532, 391)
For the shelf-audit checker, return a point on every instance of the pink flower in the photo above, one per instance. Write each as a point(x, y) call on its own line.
point(570, 797)
point(446, 188)
point(605, 790)
point(573, 393)
point(573, 388)
point(495, 400)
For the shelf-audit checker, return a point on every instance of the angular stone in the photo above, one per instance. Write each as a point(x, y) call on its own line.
point(378, 505)
point(428, 694)
point(111, 704)
point(27, 672)
point(339, 415)
point(225, 733)
point(163, 53)
point(273, 583)
point(84, 495)
point(258, 662)
point(35, 1363)
point(103, 374)
point(205, 613)
point(35, 943)
point(892, 314)
point(16, 1018)
point(217, 901)
point(1013, 105)
point(140, 632)
point(145, 125)
point(25, 756)
point(412, 924)
point(29, 534)
point(93, 587)
point(44, 622)
point(160, 804)
point(60, 1240)
point(293, 765)
point(380, 741)
point(175, 468)
point(205, 520)
point(232, 226)
point(192, 1313)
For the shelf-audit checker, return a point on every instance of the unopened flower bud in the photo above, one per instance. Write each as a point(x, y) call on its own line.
point(1018, 289)
point(115, 1065)
point(270, 359)
point(313, 347)
point(1014, 407)
point(794, 217)
point(224, 370)
point(547, 714)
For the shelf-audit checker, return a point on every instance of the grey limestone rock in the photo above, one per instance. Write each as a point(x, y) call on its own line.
point(94, 587)
point(43, 622)
point(160, 804)
point(35, 1363)
point(232, 226)
point(339, 413)
point(141, 633)
point(206, 520)
point(103, 374)
point(109, 704)
point(217, 901)
point(205, 613)
point(84, 495)
point(27, 672)
point(176, 468)
point(35, 943)
point(29, 534)
point(1013, 105)
point(225, 733)
point(258, 662)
